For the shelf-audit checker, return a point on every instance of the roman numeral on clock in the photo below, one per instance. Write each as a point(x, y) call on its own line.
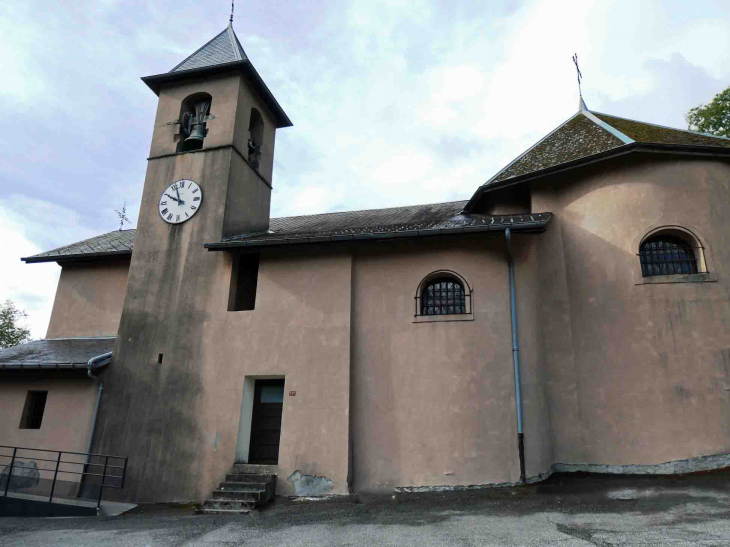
point(163, 212)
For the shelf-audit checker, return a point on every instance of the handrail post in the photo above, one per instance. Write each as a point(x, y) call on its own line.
point(55, 475)
point(124, 472)
point(101, 486)
point(10, 473)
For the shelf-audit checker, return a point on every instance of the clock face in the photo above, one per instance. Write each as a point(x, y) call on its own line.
point(180, 201)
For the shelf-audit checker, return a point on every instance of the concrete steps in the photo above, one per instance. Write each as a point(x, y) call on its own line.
point(244, 489)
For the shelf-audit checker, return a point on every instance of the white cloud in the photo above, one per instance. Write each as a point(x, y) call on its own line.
point(394, 102)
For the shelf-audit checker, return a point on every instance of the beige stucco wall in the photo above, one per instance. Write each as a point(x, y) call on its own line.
point(637, 373)
point(89, 299)
point(66, 419)
point(434, 403)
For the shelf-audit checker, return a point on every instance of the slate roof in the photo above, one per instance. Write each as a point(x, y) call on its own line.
point(57, 353)
point(221, 54)
point(119, 242)
point(648, 132)
point(588, 136)
point(224, 48)
point(577, 138)
point(589, 133)
point(412, 221)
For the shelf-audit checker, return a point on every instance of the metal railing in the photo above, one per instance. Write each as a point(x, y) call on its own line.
point(110, 475)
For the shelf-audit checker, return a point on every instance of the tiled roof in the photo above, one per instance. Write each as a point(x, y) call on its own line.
point(589, 133)
point(224, 48)
point(416, 220)
point(432, 219)
point(577, 138)
point(55, 353)
point(647, 132)
point(119, 242)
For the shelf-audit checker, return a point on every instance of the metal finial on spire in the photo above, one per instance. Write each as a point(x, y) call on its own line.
point(232, 6)
point(577, 68)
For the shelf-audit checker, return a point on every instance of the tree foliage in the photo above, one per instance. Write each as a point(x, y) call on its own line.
point(713, 117)
point(12, 332)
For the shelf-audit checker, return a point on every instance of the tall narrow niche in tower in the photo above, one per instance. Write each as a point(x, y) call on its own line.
point(256, 137)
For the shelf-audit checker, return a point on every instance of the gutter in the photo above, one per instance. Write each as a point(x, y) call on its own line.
point(516, 355)
point(534, 226)
point(77, 256)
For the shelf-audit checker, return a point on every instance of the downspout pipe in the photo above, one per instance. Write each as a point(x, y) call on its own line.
point(94, 363)
point(516, 354)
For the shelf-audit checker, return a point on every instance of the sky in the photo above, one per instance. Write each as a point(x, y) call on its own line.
point(394, 102)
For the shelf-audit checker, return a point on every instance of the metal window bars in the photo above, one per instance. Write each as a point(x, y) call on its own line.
point(110, 475)
point(668, 255)
point(442, 296)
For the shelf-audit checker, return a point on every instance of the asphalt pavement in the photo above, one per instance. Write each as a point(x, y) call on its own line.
point(567, 510)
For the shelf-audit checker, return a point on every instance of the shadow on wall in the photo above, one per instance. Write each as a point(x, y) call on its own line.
point(150, 411)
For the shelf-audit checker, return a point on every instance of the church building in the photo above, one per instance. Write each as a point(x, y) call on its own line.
point(573, 314)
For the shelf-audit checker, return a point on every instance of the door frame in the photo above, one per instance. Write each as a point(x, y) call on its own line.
point(243, 443)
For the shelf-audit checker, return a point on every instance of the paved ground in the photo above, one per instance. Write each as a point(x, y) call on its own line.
point(565, 511)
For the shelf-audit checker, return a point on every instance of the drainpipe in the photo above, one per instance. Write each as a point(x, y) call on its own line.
point(516, 355)
point(94, 363)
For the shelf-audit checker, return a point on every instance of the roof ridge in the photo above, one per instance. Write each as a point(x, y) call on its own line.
point(237, 47)
point(664, 126)
point(371, 210)
point(608, 127)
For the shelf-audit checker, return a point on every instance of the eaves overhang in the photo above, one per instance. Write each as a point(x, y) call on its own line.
point(74, 257)
point(537, 226)
point(156, 82)
point(681, 149)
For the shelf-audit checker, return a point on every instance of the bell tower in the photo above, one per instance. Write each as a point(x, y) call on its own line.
point(208, 176)
point(213, 100)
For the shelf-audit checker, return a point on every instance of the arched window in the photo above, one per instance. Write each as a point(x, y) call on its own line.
point(194, 115)
point(256, 137)
point(670, 252)
point(443, 292)
point(443, 296)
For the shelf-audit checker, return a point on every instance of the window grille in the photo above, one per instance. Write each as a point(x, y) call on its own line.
point(667, 255)
point(442, 296)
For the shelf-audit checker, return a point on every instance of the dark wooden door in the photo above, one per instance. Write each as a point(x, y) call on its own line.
point(268, 404)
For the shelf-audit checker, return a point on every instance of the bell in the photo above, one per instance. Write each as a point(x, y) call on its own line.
point(197, 134)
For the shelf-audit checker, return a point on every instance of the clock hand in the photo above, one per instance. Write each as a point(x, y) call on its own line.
point(172, 198)
point(181, 202)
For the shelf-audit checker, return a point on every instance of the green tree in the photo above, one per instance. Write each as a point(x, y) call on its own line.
point(11, 332)
point(713, 117)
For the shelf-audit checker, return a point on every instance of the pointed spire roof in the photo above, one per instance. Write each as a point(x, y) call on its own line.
point(224, 48)
point(591, 136)
point(223, 53)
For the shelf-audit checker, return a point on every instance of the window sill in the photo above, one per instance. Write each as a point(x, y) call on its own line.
point(679, 278)
point(443, 318)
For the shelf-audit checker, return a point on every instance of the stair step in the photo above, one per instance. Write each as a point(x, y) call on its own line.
point(233, 495)
point(246, 477)
point(254, 469)
point(240, 487)
point(204, 511)
point(228, 505)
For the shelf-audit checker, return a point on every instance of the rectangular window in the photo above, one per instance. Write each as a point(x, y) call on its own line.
point(244, 278)
point(35, 404)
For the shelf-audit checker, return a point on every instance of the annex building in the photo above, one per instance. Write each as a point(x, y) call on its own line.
point(572, 314)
